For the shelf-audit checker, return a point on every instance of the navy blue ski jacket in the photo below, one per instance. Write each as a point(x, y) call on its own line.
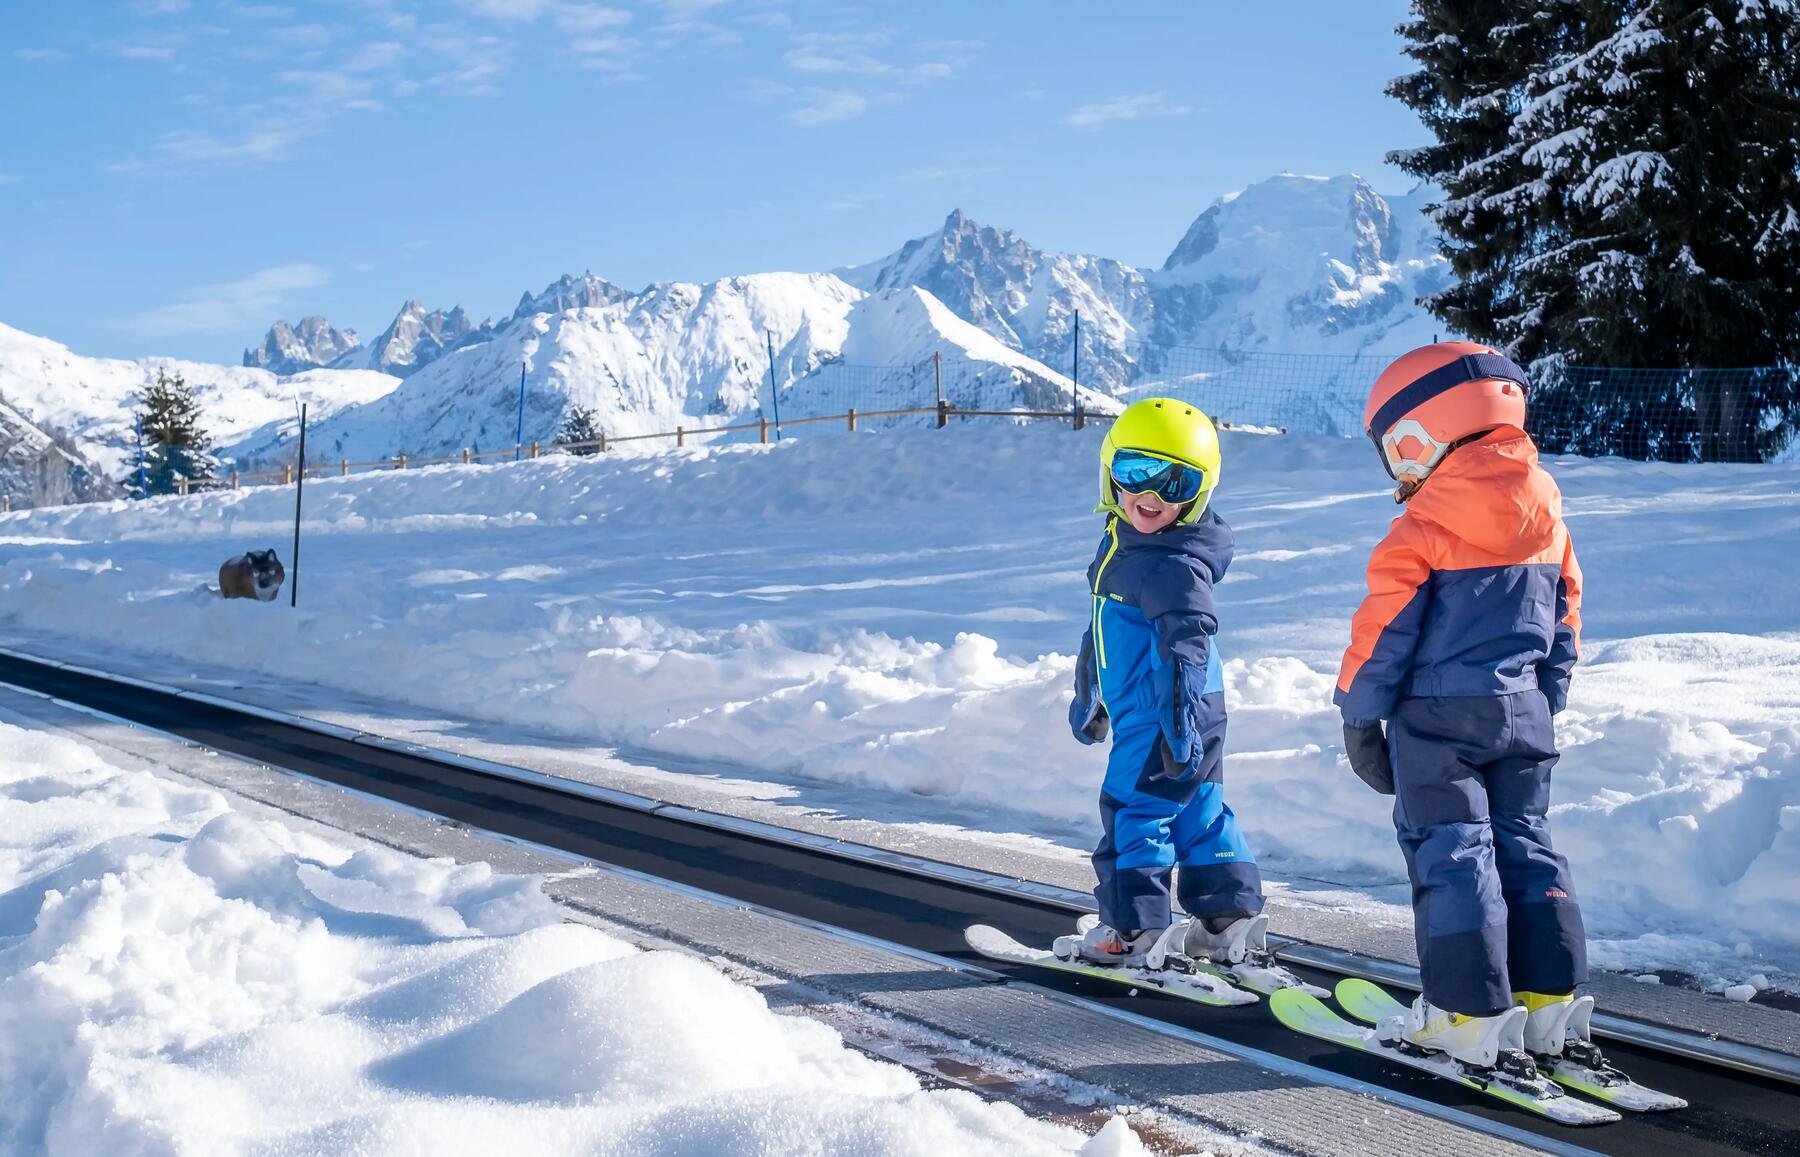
point(1149, 653)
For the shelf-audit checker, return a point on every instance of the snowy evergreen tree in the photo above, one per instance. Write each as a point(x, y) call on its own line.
point(176, 446)
point(580, 424)
point(1674, 238)
point(1621, 191)
point(1475, 59)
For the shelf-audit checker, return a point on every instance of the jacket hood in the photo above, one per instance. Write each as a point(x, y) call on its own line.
point(1207, 540)
point(1493, 495)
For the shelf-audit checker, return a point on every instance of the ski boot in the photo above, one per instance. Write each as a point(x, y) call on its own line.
point(1557, 1035)
point(1226, 939)
point(1237, 948)
point(1486, 1043)
point(1099, 944)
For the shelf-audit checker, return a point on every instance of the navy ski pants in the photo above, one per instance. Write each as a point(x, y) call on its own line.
point(1493, 907)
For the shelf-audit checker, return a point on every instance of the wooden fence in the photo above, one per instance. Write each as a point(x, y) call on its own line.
point(943, 411)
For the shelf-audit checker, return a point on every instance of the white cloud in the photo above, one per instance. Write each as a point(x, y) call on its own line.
point(1125, 108)
point(939, 173)
point(522, 10)
point(838, 52)
point(259, 144)
point(228, 306)
point(159, 48)
point(589, 17)
point(41, 55)
point(376, 57)
point(8, 179)
point(826, 106)
point(160, 7)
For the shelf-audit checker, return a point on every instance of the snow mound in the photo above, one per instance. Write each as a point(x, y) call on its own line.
point(198, 981)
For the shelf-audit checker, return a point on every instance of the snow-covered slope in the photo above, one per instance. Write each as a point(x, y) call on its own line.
point(897, 613)
point(691, 355)
point(37, 468)
point(92, 398)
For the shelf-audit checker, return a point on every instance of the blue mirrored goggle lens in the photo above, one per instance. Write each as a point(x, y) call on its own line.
point(1135, 472)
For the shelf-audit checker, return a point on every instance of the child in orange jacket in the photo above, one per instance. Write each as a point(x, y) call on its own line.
point(1464, 646)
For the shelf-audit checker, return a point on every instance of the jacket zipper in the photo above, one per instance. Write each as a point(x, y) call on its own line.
point(1112, 530)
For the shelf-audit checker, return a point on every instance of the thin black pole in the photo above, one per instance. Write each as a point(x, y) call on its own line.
point(143, 481)
point(774, 395)
point(1077, 370)
point(519, 432)
point(299, 485)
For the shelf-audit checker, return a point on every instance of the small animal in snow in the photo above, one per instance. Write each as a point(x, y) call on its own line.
point(255, 575)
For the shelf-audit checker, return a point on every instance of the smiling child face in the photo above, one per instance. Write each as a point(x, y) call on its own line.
point(1147, 513)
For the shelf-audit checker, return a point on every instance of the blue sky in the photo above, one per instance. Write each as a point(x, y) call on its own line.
point(175, 174)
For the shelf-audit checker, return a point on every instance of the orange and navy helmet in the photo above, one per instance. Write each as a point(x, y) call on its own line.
point(1427, 401)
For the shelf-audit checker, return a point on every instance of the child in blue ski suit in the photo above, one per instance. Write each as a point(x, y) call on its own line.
point(1150, 674)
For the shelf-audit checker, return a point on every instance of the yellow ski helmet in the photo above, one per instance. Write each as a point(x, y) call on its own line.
point(1167, 428)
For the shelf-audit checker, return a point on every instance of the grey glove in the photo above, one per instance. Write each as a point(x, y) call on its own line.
point(1368, 751)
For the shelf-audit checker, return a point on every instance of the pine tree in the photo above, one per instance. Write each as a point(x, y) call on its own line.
point(1475, 59)
point(580, 424)
point(1675, 144)
point(176, 446)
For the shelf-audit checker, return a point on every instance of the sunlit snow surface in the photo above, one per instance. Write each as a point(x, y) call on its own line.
point(899, 611)
point(176, 977)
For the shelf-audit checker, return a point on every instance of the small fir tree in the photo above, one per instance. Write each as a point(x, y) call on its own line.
point(175, 444)
point(579, 424)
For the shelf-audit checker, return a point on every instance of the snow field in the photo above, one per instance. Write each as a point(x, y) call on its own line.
point(176, 977)
point(900, 610)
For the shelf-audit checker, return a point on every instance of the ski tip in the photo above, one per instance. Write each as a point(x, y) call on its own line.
point(984, 938)
point(1351, 987)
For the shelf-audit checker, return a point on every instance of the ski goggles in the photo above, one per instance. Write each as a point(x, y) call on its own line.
point(1139, 471)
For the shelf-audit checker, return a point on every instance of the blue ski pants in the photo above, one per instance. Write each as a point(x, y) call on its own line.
point(1153, 821)
point(1494, 910)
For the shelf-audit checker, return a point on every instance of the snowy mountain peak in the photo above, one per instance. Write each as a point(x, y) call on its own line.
point(1343, 218)
point(568, 292)
point(416, 338)
point(290, 349)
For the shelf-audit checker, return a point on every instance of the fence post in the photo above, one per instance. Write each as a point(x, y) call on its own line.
point(680, 436)
point(343, 467)
point(287, 475)
point(943, 414)
point(1079, 418)
point(400, 460)
point(465, 455)
point(234, 480)
point(5, 504)
point(762, 430)
point(603, 441)
point(937, 373)
point(853, 419)
point(534, 449)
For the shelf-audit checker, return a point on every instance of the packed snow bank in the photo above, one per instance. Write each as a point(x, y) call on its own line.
point(176, 977)
point(899, 610)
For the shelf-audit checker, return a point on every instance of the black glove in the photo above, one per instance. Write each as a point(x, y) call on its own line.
point(1368, 751)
